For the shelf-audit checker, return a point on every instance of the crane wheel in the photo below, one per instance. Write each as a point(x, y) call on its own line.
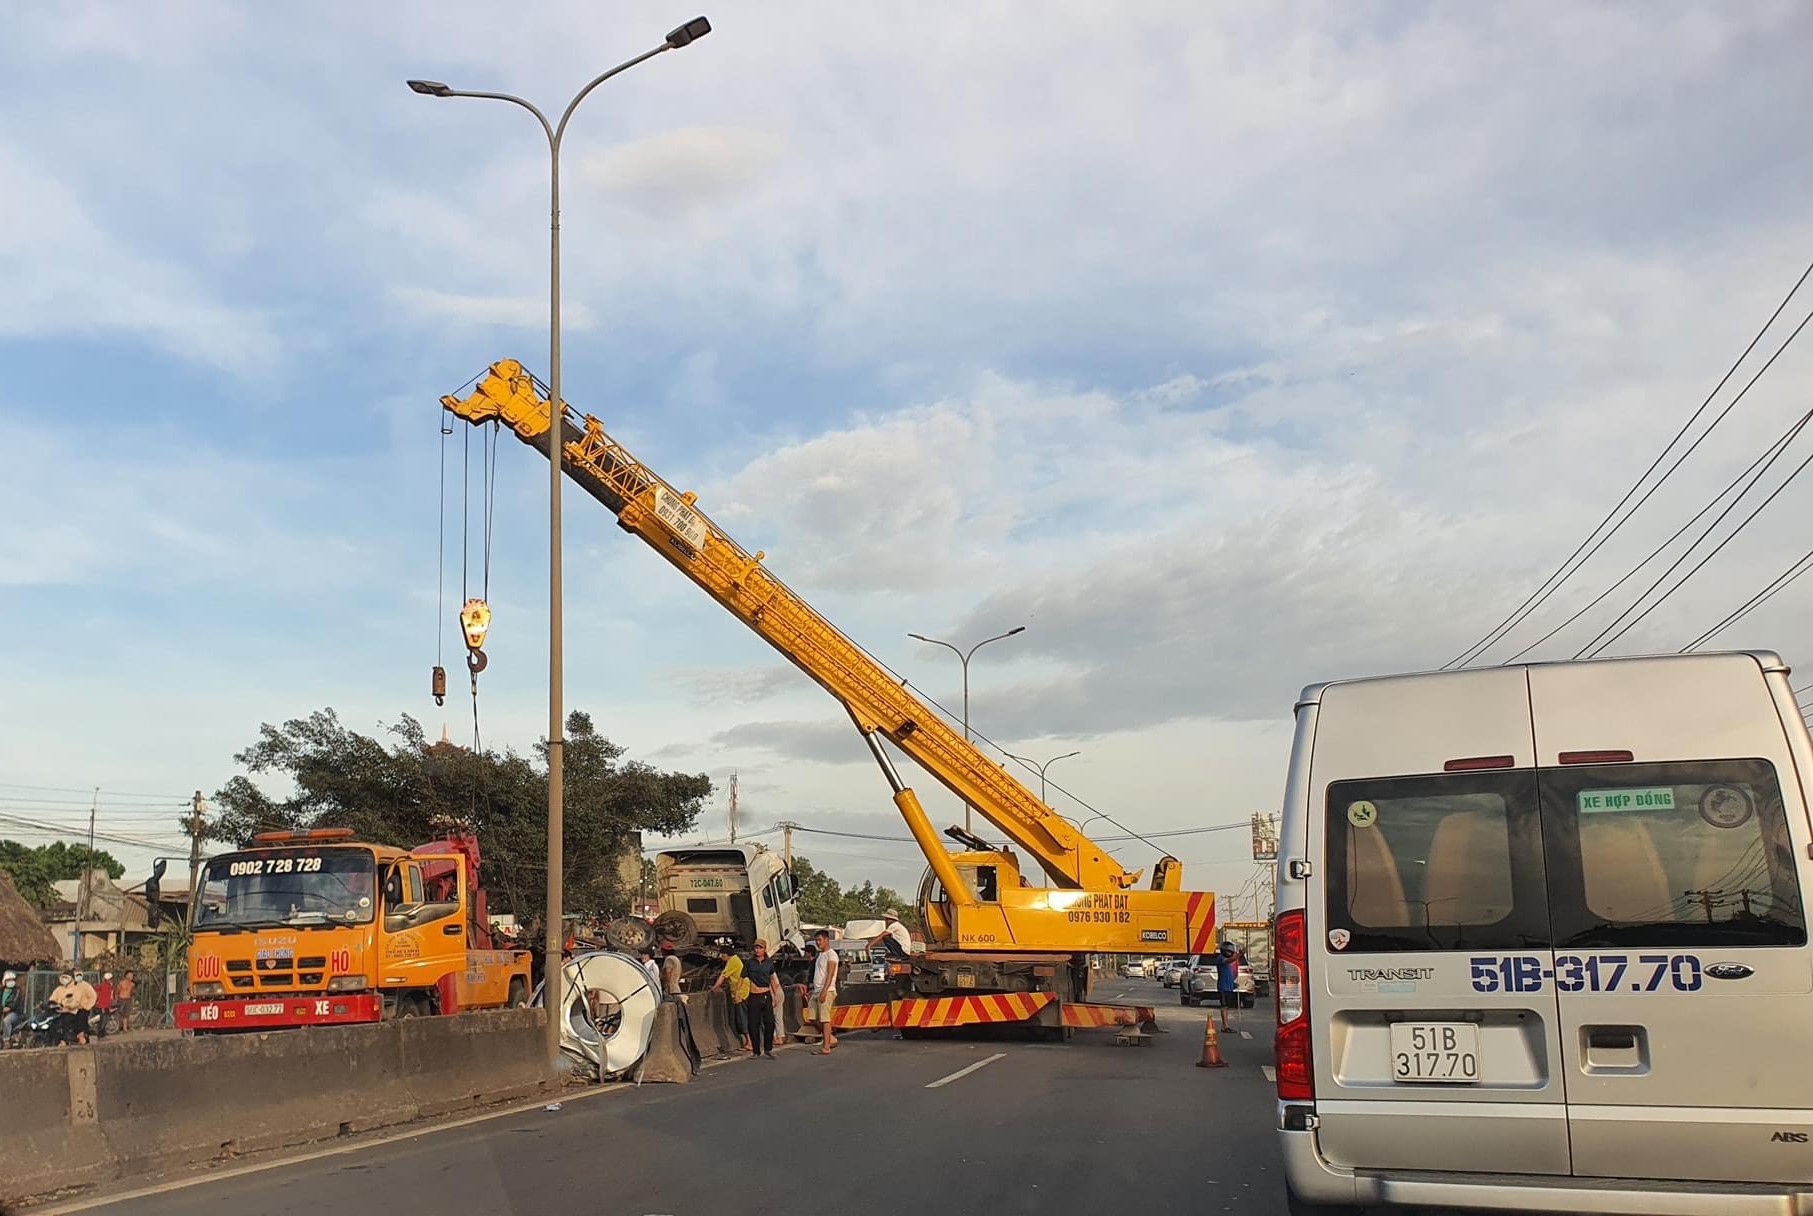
point(628, 934)
point(519, 995)
point(677, 929)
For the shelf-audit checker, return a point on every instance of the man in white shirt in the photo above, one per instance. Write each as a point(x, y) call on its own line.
point(824, 991)
point(652, 968)
point(896, 939)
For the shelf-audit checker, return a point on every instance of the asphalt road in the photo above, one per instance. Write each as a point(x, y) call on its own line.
point(1083, 1127)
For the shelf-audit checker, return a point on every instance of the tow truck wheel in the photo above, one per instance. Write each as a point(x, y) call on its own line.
point(411, 1007)
point(519, 994)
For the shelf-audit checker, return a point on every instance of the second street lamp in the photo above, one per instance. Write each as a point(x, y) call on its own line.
point(963, 656)
point(681, 36)
point(1041, 767)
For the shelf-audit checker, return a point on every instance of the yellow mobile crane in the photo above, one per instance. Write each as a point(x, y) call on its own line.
point(998, 947)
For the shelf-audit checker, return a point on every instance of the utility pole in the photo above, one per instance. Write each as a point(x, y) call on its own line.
point(83, 898)
point(787, 842)
point(1705, 899)
point(733, 808)
point(195, 808)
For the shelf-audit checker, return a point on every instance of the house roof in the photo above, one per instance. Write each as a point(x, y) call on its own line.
point(23, 937)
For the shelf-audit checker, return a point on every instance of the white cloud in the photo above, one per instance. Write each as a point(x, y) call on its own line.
point(513, 312)
point(67, 274)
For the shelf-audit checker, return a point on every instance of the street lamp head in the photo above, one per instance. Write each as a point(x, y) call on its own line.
point(692, 31)
point(919, 637)
point(431, 88)
point(1014, 630)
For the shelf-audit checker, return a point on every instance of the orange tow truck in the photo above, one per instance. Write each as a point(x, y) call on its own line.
point(314, 928)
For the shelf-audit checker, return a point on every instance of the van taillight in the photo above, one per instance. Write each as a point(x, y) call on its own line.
point(1611, 757)
point(1467, 764)
point(1291, 1056)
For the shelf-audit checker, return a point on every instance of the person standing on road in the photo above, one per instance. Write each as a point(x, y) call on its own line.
point(1227, 982)
point(895, 938)
point(649, 965)
point(824, 991)
point(670, 975)
point(12, 1008)
point(764, 1001)
point(122, 1000)
point(733, 978)
point(103, 1004)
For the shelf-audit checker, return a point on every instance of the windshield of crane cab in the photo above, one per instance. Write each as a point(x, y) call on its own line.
point(292, 887)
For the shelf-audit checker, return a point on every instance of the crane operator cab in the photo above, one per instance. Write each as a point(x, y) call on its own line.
point(1541, 940)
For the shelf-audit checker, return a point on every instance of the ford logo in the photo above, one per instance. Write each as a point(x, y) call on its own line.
point(1729, 971)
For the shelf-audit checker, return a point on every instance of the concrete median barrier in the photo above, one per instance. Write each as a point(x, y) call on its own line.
point(672, 1056)
point(126, 1107)
point(708, 1014)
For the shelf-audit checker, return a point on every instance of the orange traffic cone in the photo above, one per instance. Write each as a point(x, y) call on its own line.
point(1211, 1046)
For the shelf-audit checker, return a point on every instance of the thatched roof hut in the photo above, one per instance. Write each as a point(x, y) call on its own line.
point(23, 938)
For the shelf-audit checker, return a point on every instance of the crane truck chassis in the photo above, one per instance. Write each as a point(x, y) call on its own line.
point(990, 932)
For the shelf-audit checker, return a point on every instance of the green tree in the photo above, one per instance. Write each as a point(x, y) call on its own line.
point(392, 794)
point(35, 868)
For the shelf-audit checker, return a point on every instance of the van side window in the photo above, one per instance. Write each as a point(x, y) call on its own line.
point(1693, 853)
point(1439, 862)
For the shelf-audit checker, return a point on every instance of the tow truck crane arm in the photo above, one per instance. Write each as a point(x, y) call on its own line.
point(879, 704)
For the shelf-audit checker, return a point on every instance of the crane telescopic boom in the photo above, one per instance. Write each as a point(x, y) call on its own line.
point(879, 704)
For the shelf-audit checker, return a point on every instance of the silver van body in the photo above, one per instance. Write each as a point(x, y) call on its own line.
point(1552, 940)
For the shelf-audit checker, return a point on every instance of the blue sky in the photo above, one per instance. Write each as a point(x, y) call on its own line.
point(1226, 349)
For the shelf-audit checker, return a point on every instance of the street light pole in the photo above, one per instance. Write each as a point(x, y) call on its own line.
point(1042, 768)
point(553, 938)
point(964, 657)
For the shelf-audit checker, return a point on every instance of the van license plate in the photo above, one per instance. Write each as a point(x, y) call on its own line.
point(1422, 1052)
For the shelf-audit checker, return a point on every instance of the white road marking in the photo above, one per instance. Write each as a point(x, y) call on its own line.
point(1245, 1035)
point(1270, 1074)
point(964, 1072)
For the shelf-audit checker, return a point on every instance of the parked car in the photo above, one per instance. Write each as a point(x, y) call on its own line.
point(1173, 973)
point(1201, 983)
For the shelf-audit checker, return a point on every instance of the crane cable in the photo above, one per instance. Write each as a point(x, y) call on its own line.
point(1570, 566)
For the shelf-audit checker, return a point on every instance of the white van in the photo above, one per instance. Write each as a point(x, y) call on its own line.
point(1541, 941)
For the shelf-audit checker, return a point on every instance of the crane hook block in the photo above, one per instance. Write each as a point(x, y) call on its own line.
point(439, 684)
point(475, 662)
point(475, 621)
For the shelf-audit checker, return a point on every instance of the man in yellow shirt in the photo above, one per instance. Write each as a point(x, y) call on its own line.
point(738, 984)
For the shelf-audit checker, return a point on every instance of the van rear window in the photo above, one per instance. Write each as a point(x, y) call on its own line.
point(1692, 853)
point(1439, 862)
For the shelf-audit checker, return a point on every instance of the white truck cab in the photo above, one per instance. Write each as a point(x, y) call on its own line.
point(1541, 940)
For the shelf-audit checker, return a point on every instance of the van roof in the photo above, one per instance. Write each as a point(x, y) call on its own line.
point(1768, 660)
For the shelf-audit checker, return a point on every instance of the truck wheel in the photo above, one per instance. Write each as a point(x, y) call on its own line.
point(628, 934)
point(519, 995)
point(678, 928)
point(411, 1007)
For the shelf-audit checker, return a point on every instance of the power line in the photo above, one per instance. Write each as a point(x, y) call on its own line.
point(1696, 567)
point(1766, 457)
point(1570, 566)
point(1795, 569)
point(89, 791)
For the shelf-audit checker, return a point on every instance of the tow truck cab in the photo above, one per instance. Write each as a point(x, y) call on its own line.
point(314, 928)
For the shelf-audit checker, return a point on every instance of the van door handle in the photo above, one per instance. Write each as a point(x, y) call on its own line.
point(1612, 1038)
